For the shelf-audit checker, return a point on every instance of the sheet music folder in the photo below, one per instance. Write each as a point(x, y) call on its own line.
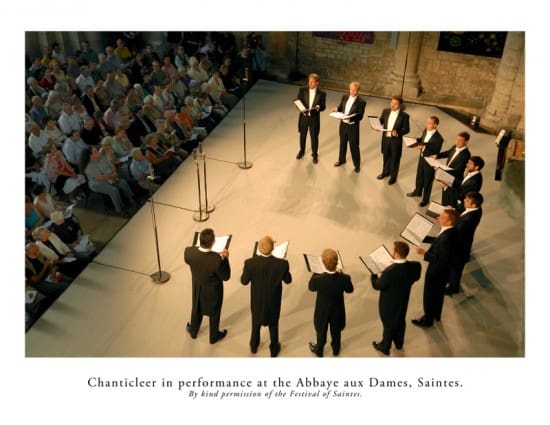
point(221, 242)
point(417, 229)
point(298, 103)
point(314, 263)
point(444, 177)
point(376, 124)
point(279, 250)
point(378, 260)
point(435, 209)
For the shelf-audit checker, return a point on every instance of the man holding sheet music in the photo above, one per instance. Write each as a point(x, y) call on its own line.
point(394, 284)
point(266, 272)
point(354, 107)
point(440, 260)
point(472, 182)
point(429, 143)
point(208, 271)
point(329, 304)
point(396, 123)
point(310, 101)
point(457, 157)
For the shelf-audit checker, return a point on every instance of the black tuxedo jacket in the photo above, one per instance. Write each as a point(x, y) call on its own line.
point(458, 164)
point(266, 275)
point(208, 271)
point(329, 305)
point(401, 124)
point(440, 254)
point(394, 285)
point(466, 226)
point(88, 104)
point(314, 118)
point(433, 147)
point(455, 195)
point(357, 108)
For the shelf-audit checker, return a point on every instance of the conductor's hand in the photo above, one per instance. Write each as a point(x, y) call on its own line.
point(224, 254)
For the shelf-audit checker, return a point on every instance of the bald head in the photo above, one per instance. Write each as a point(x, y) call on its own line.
point(265, 245)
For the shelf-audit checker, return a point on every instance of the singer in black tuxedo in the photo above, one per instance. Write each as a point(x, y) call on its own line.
point(424, 172)
point(266, 273)
point(310, 120)
point(392, 140)
point(394, 285)
point(208, 271)
point(440, 258)
point(349, 128)
point(466, 226)
point(329, 304)
point(457, 157)
point(472, 182)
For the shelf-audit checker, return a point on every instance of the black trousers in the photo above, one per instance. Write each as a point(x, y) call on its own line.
point(393, 334)
point(434, 295)
point(335, 335)
point(391, 156)
point(424, 179)
point(349, 133)
point(273, 336)
point(196, 320)
point(456, 275)
point(313, 129)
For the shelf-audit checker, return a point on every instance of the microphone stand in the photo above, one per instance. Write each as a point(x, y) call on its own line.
point(201, 214)
point(161, 276)
point(245, 164)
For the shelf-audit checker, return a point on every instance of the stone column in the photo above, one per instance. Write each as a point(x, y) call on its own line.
point(405, 68)
point(506, 107)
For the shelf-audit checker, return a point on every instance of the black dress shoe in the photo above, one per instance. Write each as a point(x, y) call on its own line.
point(411, 194)
point(313, 349)
point(221, 335)
point(315, 160)
point(381, 176)
point(188, 329)
point(275, 353)
point(423, 204)
point(422, 322)
point(338, 163)
point(392, 181)
point(378, 347)
point(300, 155)
point(451, 291)
point(399, 347)
point(357, 169)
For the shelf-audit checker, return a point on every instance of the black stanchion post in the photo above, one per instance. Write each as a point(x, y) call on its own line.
point(201, 215)
point(245, 164)
point(161, 276)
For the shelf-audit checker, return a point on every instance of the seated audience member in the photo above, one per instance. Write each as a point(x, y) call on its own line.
point(102, 96)
point(159, 100)
point(113, 61)
point(179, 89)
point(33, 218)
point(169, 96)
point(70, 233)
point(140, 168)
point(181, 60)
point(55, 250)
point(35, 88)
point(58, 73)
point(73, 147)
point(122, 51)
point(202, 118)
point(103, 178)
point(187, 139)
point(61, 174)
point(140, 127)
point(138, 69)
point(120, 162)
point(88, 52)
point(158, 76)
point(54, 133)
point(113, 87)
point(195, 72)
point(48, 80)
point(150, 110)
point(58, 54)
point(91, 133)
point(112, 116)
point(44, 203)
point(79, 109)
point(38, 141)
point(168, 68)
point(88, 99)
point(163, 162)
point(218, 92)
point(149, 55)
point(84, 79)
point(37, 112)
point(42, 273)
point(121, 144)
point(133, 99)
point(53, 105)
point(68, 121)
point(34, 171)
point(230, 81)
point(189, 123)
point(209, 110)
